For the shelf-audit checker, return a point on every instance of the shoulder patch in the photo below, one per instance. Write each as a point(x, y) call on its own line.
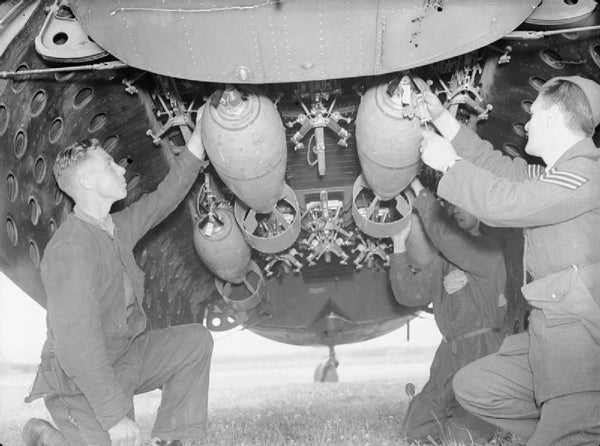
point(534, 170)
point(564, 178)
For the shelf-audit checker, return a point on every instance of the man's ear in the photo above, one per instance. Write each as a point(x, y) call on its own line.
point(553, 115)
point(86, 181)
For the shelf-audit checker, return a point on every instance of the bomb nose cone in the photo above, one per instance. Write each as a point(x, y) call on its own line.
point(232, 97)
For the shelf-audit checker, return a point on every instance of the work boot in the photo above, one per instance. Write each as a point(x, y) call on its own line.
point(38, 432)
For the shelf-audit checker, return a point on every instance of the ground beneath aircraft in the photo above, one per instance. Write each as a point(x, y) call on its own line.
point(269, 399)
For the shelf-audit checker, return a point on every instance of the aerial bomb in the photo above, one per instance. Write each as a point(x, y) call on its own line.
point(388, 137)
point(245, 141)
point(221, 246)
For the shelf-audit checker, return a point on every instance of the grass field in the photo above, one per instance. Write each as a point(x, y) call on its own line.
point(270, 400)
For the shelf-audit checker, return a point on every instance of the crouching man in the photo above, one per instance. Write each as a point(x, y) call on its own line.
point(97, 355)
point(465, 281)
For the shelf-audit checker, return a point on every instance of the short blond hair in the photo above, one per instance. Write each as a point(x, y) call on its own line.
point(572, 102)
point(69, 158)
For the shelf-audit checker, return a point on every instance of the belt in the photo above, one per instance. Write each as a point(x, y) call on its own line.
point(473, 333)
point(470, 334)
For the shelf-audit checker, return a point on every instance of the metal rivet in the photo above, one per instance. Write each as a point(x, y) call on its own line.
point(242, 73)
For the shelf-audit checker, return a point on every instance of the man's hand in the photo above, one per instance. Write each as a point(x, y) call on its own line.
point(400, 238)
point(125, 433)
point(437, 152)
point(443, 120)
point(195, 144)
point(433, 104)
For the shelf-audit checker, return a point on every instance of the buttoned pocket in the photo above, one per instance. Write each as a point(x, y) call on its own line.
point(549, 290)
point(565, 299)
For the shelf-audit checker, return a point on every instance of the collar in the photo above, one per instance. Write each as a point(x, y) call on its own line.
point(106, 224)
point(584, 148)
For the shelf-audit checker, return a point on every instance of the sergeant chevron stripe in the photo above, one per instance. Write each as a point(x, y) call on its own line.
point(534, 170)
point(563, 178)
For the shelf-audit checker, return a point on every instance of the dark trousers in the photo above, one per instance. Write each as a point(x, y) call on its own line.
point(174, 359)
point(435, 412)
point(499, 389)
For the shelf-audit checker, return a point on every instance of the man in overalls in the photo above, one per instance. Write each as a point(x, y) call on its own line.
point(465, 281)
point(97, 354)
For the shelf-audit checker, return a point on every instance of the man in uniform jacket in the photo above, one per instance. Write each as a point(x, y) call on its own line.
point(98, 353)
point(542, 385)
point(465, 281)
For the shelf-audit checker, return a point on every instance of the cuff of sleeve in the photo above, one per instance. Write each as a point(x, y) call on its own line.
point(447, 187)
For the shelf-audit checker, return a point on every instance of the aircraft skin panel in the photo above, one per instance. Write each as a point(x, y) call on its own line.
point(335, 335)
point(41, 116)
point(358, 295)
point(289, 41)
point(335, 307)
point(332, 302)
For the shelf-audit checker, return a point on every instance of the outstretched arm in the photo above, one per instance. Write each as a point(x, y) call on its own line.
point(501, 202)
point(410, 288)
point(468, 252)
point(141, 216)
point(470, 146)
